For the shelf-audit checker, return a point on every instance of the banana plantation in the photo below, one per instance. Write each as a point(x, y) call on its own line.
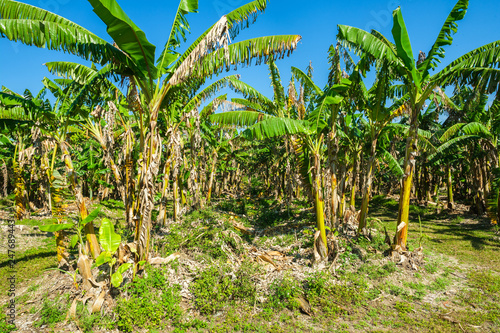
point(137, 194)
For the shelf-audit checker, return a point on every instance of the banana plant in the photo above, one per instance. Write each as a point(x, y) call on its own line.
point(78, 228)
point(418, 82)
point(133, 57)
point(266, 119)
point(373, 103)
point(21, 117)
point(110, 242)
point(475, 134)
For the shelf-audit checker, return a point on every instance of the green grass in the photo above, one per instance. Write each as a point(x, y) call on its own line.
point(36, 222)
point(373, 294)
point(53, 311)
point(28, 266)
point(215, 287)
point(446, 234)
point(153, 303)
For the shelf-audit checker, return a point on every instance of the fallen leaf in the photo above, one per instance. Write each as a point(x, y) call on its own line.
point(98, 302)
point(305, 306)
point(268, 259)
point(163, 261)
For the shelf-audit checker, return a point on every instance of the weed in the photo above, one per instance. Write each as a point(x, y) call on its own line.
point(418, 290)
point(317, 284)
point(417, 210)
point(235, 206)
point(207, 238)
point(431, 268)
point(285, 240)
point(403, 307)
point(143, 312)
point(439, 284)
point(215, 286)
point(349, 292)
point(485, 281)
point(270, 217)
point(152, 301)
point(396, 290)
point(52, 311)
point(373, 293)
point(33, 288)
point(283, 293)
point(376, 272)
point(87, 321)
point(4, 325)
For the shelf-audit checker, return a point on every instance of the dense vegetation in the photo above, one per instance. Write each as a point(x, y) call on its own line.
point(162, 195)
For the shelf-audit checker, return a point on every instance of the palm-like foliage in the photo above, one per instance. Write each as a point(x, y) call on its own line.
point(418, 82)
point(133, 56)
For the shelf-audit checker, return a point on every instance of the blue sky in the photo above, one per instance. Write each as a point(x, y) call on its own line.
point(316, 21)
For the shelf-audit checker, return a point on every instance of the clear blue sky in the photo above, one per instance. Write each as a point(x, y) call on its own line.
point(316, 21)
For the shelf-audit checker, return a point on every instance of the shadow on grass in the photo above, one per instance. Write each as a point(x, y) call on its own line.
point(29, 256)
point(466, 233)
point(443, 226)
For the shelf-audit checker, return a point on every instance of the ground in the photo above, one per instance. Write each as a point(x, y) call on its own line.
point(247, 265)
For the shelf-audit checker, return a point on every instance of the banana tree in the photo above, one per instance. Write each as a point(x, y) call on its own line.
point(418, 82)
point(306, 134)
point(241, 113)
point(133, 56)
point(21, 116)
point(477, 137)
point(373, 103)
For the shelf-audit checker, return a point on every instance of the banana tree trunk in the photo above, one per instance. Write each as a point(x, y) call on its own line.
point(129, 190)
point(343, 185)
point(450, 188)
point(150, 166)
point(478, 180)
point(484, 177)
point(212, 173)
point(163, 202)
point(426, 182)
point(176, 198)
point(354, 179)
point(19, 191)
point(93, 244)
point(332, 147)
point(320, 213)
point(5, 178)
point(436, 198)
point(183, 194)
point(367, 188)
point(409, 168)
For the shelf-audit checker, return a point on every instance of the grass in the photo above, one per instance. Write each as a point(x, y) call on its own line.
point(372, 294)
point(29, 265)
point(446, 234)
point(215, 287)
point(52, 311)
point(153, 303)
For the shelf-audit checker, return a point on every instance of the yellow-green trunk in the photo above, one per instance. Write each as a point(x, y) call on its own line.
point(211, 180)
point(404, 211)
point(409, 169)
point(450, 190)
point(93, 244)
point(320, 213)
point(176, 199)
point(353, 195)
